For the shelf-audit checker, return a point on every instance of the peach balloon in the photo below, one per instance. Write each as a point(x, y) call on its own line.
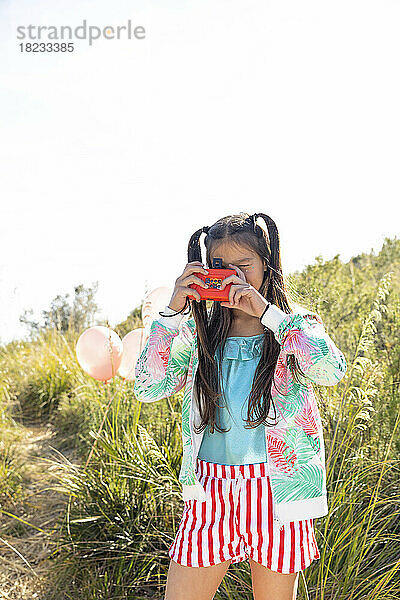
point(99, 352)
point(147, 317)
point(133, 343)
point(153, 303)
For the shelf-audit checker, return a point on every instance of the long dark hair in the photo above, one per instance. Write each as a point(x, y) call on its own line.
point(213, 326)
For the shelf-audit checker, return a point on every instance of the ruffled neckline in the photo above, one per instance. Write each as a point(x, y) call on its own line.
point(243, 348)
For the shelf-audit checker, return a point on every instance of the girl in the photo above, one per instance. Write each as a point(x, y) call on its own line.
point(251, 488)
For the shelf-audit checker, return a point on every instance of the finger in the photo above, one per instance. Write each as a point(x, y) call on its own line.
point(238, 270)
point(192, 292)
point(199, 269)
point(233, 289)
point(232, 295)
point(237, 294)
point(231, 279)
point(196, 280)
point(190, 268)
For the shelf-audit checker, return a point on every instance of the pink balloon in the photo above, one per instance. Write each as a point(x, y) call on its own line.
point(153, 303)
point(147, 317)
point(133, 344)
point(99, 352)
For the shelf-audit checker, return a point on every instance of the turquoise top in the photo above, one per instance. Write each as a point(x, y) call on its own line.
point(238, 446)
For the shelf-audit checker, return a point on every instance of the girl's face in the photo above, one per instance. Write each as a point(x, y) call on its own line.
point(249, 262)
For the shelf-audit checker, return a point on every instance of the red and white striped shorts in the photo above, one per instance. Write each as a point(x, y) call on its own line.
point(237, 521)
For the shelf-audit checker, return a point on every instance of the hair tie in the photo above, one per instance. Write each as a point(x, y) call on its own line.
point(205, 229)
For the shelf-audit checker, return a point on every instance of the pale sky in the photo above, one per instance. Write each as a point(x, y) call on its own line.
point(114, 154)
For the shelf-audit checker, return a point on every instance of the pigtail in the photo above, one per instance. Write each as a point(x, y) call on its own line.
point(278, 291)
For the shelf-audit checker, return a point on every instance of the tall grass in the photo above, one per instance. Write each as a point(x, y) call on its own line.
point(36, 374)
point(122, 506)
point(11, 467)
point(360, 538)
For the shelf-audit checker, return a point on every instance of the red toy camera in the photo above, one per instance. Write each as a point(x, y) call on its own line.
point(214, 279)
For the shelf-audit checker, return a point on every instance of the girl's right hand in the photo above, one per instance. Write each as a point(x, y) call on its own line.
point(182, 289)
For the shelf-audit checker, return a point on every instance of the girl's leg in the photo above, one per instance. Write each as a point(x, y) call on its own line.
point(270, 584)
point(194, 583)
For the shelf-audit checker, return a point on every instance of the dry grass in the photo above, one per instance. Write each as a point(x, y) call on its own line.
point(27, 539)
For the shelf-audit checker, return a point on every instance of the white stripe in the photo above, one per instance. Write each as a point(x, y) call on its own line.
point(185, 558)
point(305, 548)
point(275, 547)
point(253, 513)
point(242, 511)
point(179, 537)
point(221, 489)
point(308, 545)
point(209, 523)
point(227, 491)
point(297, 560)
point(304, 541)
point(287, 550)
point(264, 519)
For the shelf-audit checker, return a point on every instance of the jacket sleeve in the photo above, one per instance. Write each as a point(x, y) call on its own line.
point(161, 369)
point(304, 336)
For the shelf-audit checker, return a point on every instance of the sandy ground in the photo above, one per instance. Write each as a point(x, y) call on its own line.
point(25, 549)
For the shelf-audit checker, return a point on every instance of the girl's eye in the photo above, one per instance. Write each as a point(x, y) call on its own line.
point(239, 266)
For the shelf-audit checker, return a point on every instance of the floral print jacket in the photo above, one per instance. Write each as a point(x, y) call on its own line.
point(295, 445)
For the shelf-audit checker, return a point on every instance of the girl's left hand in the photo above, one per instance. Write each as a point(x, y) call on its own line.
point(242, 295)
